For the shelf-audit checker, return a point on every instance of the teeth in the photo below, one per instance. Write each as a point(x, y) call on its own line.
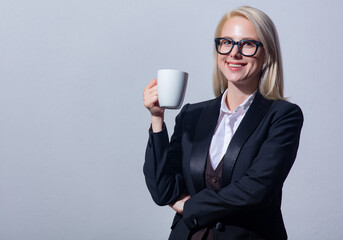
point(235, 65)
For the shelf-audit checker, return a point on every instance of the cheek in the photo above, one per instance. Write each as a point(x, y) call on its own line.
point(260, 64)
point(260, 60)
point(257, 62)
point(221, 61)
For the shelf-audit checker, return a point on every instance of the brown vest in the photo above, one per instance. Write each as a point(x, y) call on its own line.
point(213, 180)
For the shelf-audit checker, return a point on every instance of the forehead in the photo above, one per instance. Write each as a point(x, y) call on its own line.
point(239, 28)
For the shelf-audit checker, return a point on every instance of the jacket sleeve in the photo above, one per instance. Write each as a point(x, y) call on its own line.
point(264, 177)
point(163, 164)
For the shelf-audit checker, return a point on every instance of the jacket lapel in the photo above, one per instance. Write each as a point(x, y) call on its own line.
point(203, 136)
point(252, 118)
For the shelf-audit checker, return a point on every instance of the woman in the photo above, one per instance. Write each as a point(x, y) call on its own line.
point(224, 167)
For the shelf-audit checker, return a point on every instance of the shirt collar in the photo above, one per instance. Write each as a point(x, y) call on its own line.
point(242, 107)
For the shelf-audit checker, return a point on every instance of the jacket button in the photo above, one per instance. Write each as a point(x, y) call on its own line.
point(195, 222)
point(220, 227)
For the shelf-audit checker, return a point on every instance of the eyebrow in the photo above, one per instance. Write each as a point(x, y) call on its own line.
point(245, 38)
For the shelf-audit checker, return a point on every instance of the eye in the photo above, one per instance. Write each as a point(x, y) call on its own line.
point(226, 42)
point(248, 44)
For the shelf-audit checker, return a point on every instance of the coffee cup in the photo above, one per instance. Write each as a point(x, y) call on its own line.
point(171, 87)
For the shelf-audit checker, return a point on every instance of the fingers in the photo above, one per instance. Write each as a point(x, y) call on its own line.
point(150, 97)
point(151, 91)
point(186, 198)
point(178, 205)
point(152, 83)
point(150, 94)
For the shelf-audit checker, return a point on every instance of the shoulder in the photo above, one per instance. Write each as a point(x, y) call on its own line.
point(281, 108)
point(284, 105)
point(192, 113)
point(201, 105)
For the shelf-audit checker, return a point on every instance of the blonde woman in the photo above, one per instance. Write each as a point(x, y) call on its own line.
point(225, 165)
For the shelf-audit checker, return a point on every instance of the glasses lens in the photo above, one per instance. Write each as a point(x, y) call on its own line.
point(224, 46)
point(248, 47)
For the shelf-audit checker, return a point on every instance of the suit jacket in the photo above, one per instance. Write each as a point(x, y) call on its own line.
point(257, 162)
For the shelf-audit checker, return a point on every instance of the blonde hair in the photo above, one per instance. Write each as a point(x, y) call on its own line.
point(271, 81)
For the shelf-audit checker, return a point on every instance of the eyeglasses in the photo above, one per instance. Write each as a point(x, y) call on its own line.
point(246, 47)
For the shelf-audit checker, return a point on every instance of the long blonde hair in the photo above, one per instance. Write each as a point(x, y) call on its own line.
point(271, 82)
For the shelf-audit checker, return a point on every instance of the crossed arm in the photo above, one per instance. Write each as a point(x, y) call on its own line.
point(266, 175)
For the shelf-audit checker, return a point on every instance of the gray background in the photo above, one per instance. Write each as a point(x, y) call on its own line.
point(73, 128)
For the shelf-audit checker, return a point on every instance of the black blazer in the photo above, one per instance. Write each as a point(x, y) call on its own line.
point(257, 162)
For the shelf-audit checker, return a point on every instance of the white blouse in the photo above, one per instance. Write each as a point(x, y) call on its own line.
point(227, 125)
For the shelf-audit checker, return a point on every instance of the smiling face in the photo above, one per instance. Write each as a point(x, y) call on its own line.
point(238, 69)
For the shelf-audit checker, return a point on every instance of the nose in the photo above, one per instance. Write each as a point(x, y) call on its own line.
point(234, 52)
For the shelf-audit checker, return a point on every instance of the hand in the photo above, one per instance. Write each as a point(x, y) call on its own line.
point(178, 205)
point(150, 97)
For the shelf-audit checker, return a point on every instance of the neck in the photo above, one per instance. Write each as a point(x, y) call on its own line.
point(236, 95)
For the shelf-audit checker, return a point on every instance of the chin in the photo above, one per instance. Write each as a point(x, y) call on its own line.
point(235, 80)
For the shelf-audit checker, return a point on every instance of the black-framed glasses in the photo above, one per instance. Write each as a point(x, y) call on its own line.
point(246, 47)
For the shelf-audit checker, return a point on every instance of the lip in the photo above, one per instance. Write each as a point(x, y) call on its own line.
point(235, 66)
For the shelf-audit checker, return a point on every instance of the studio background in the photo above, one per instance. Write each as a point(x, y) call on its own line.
point(73, 128)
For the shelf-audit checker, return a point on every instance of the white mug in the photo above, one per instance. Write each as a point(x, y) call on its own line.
point(171, 86)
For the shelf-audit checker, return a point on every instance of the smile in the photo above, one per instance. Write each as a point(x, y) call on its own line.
point(235, 66)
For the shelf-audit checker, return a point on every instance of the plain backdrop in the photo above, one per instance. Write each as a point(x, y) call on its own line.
point(73, 128)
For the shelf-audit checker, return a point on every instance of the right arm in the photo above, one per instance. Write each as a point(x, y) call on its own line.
point(163, 159)
point(150, 96)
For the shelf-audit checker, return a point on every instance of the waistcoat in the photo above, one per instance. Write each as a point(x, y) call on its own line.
point(213, 180)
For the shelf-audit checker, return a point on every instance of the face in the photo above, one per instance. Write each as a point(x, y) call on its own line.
point(238, 69)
